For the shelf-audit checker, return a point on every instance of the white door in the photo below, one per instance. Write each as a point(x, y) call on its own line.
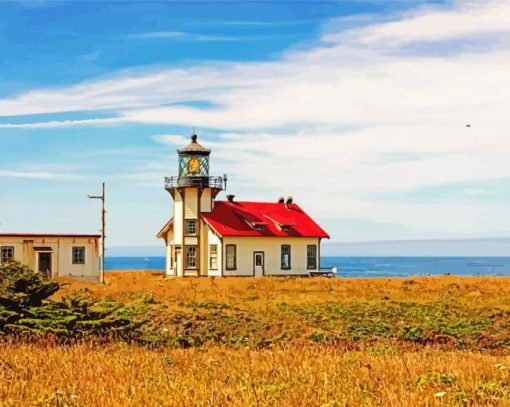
point(178, 261)
point(169, 261)
point(258, 263)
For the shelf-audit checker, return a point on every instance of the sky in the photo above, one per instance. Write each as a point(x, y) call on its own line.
point(357, 109)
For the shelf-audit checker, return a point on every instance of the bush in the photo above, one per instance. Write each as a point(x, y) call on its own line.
point(26, 310)
point(20, 286)
point(436, 379)
point(411, 333)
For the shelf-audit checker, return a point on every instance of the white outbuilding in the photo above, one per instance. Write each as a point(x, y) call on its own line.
point(53, 255)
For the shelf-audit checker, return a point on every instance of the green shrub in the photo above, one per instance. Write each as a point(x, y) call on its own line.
point(492, 390)
point(20, 286)
point(412, 333)
point(436, 379)
point(26, 310)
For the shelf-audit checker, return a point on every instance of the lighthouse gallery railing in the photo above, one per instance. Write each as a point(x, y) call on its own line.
point(203, 182)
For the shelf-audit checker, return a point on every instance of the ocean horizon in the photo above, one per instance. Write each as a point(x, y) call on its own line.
point(379, 266)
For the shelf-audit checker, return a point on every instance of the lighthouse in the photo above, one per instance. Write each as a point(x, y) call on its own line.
point(193, 192)
point(208, 237)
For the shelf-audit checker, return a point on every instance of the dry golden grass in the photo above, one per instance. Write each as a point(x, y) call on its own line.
point(126, 375)
point(381, 369)
point(297, 291)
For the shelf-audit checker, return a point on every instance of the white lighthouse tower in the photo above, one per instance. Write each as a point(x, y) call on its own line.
point(193, 192)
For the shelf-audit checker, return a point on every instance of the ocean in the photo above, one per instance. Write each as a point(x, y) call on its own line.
point(366, 266)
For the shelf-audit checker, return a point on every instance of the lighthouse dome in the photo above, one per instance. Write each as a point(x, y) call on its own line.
point(194, 147)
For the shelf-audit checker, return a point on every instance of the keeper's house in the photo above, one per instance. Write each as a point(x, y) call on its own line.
point(53, 255)
point(206, 237)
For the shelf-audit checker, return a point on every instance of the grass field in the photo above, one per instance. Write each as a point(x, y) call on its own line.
point(277, 341)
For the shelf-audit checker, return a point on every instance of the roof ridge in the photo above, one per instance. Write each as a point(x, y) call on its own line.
point(255, 202)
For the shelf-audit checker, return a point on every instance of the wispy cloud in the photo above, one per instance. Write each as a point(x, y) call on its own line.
point(175, 139)
point(254, 23)
point(39, 175)
point(125, 90)
point(54, 124)
point(186, 36)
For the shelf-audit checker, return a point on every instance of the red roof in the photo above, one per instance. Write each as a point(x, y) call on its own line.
point(240, 218)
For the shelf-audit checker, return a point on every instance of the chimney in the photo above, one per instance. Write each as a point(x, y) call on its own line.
point(288, 202)
point(231, 198)
point(281, 200)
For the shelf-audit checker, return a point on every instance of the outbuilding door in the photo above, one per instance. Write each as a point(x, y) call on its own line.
point(44, 264)
point(258, 263)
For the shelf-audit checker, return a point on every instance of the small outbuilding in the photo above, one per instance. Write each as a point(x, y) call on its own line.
point(53, 255)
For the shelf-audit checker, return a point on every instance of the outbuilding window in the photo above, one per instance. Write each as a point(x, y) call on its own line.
point(311, 257)
point(231, 251)
point(191, 257)
point(191, 227)
point(79, 255)
point(285, 263)
point(213, 257)
point(7, 254)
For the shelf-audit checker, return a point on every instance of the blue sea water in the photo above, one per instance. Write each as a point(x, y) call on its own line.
point(366, 266)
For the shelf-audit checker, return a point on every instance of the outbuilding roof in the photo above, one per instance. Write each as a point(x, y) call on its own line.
point(17, 234)
point(262, 219)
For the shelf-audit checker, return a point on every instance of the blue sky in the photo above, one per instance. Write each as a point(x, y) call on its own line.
point(356, 108)
point(59, 43)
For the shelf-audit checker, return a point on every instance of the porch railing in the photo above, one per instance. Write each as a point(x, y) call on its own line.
point(324, 272)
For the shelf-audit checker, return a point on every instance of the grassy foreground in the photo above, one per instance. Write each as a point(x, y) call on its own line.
point(278, 341)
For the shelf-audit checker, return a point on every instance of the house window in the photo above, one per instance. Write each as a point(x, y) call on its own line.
point(191, 257)
point(7, 254)
point(311, 257)
point(79, 255)
point(231, 256)
point(213, 257)
point(285, 257)
point(191, 227)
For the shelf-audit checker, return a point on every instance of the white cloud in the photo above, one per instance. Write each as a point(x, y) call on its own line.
point(316, 122)
point(126, 90)
point(159, 34)
point(175, 139)
point(346, 164)
point(185, 36)
point(54, 124)
point(468, 19)
point(473, 191)
point(40, 175)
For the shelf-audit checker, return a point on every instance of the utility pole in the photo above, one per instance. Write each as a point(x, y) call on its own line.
point(102, 197)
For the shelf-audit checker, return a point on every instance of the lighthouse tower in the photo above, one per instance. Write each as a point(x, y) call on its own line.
point(193, 192)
